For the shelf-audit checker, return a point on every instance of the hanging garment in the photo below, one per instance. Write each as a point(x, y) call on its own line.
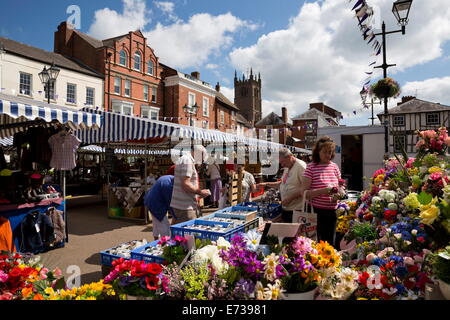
point(64, 147)
point(6, 236)
point(59, 226)
point(37, 233)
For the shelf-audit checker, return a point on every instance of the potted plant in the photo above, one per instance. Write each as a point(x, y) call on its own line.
point(385, 88)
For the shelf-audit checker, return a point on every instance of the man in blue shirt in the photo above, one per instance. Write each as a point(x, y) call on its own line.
point(157, 200)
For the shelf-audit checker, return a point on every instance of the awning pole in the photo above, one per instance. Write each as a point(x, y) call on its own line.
point(145, 180)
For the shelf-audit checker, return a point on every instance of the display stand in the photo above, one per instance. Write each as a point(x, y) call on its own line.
point(233, 192)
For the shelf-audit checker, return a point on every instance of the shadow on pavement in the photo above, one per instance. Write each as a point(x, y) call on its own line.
point(91, 277)
point(95, 259)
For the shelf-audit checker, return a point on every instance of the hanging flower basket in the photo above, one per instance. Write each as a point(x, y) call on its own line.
point(385, 88)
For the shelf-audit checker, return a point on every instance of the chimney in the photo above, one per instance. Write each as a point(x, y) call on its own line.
point(218, 87)
point(406, 99)
point(196, 75)
point(62, 38)
point(284, 115)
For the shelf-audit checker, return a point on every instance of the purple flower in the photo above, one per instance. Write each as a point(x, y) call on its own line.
point(253, 266)
point(111, 276)
point(244, 288)
point(279, 271)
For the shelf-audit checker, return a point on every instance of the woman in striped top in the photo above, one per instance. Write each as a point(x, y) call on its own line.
point(321, 179)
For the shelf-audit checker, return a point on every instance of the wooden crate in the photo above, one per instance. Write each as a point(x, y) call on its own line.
point(233, 192)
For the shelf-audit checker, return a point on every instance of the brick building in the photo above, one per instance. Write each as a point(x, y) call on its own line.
point(306, 124)
point(273, 121)
point(132, 71)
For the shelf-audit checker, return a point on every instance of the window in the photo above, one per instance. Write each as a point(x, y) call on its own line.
point(52, 90)
point(71, 93)
point(123, 58)
point(137, 61)
point(154, 94)
point(399, 143)
point(206, 107)
point(90, 96)
point(244, 92)
point(233, 114)
point(25, 84)
point(191, 99)
point(145, 92)
point(432, 118)
point(122, 107)
point(150, 112)
point(117, 85)
point(205, 124)
point(151, 67)
point(399, 121)
point(127, 92)
point(222, 117)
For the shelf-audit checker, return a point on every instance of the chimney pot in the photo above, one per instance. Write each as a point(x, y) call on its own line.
point(196, 75)
point(218, 87)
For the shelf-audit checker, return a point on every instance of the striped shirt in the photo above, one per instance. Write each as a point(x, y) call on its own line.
point(182, 200)
point(323, 176)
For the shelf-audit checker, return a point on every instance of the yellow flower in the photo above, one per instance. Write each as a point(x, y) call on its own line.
point(49, 291)
point(379, 179)
point(434, 170)
point(429, 214)
point(411, 201)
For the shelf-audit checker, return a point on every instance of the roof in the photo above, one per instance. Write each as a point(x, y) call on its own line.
point(271, 119)
point(92, 41)
point(415, 106)
point(26, 51)
point(312, 114)
point(224, 100)
point(110, 42)
point(241, 119)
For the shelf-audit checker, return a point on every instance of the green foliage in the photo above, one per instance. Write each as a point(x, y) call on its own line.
point(362, 232)
point(425, 198)
point(440, 263)
point(274, 245)
point(296, 283)
point(231, 276)
point(174, 254)
point(195, 280)
point(200, 243)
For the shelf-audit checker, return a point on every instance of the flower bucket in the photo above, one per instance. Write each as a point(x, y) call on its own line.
point(308, 295)
point(348, 247)
point(445, 289)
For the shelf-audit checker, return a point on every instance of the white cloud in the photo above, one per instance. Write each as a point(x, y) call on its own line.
point(212, 66)
point(228, 92)
point(187, 44)
point(434, 90)
point(321, 56)
point(110, 23)
point(168, 8)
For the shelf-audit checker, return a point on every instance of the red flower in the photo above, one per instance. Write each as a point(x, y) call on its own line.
point(390, 215)
point(363, 278)
point(413, 269)
point(154, 268)
point(118, 262)
point(180, 239)
point(152, 283)
point(139, 270)
point(421, 239)
point(15, 272)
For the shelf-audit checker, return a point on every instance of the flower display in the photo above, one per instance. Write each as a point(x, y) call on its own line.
point(385, 88)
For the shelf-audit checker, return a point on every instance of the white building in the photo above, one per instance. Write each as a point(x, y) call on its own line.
point(360, 152)
point(20, 65)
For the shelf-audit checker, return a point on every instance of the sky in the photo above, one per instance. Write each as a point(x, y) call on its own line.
point(306, 51)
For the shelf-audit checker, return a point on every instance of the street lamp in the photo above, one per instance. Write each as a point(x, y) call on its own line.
point(364, 94)
point(47, 76)
point(191, 111)
point(400, 9)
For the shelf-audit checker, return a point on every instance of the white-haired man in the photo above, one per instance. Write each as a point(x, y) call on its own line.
point(186, 185)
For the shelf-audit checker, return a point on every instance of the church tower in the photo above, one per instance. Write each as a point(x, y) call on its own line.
point(247, 96)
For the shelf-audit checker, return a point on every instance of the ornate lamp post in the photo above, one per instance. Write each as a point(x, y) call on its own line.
point(400, 9)
point(48, 76)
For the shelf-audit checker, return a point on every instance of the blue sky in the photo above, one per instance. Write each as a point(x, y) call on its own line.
point(306, 51)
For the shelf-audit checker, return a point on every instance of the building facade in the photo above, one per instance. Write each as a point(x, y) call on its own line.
point(273, 123)
point(410, 115)
point(306, 125)
point(247, 97)
point(76, 86)
point(130, 67)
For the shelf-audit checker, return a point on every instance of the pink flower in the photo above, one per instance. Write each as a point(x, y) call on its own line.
point(409, 261)
point(6, 296)
point(370, 257)
point(3, 276)
point(420, 144)
point(163, 240)
point(447, 141)
point(436, 176)
point(378, 172)
point(57, 272)
point(111, 276)
point(410, 162)
point(180, 239)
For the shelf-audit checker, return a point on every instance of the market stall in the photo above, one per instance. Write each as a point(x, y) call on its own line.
point(32, 194)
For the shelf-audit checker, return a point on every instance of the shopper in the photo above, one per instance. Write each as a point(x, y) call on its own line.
point(186, 185)
point(157, 200)
point(290, 184)
point(321, 179)
point(248, 183)
point(215, 183)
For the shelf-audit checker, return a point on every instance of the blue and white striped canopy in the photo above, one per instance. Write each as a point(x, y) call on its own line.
point(133, 151)
point(18, 110)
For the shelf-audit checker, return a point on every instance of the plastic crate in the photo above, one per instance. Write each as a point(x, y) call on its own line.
point(267, 211)
point(223, 213)
point(108, 258)
point(243, 227)
point(182, 229)
point(137, 254)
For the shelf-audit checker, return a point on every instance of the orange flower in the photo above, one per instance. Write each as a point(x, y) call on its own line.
point(26, 292)
point(38, 297)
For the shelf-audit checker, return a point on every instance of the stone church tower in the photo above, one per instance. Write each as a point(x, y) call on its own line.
point(247, 96)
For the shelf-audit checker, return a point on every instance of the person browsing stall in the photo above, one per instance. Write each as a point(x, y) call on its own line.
point(157, 200)
point(186, 185)
point(248, 183)
point(290, 184)
point(321, 179)
point(216, 183)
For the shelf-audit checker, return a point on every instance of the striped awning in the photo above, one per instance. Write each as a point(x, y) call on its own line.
point(16, 114)
point(132, 151)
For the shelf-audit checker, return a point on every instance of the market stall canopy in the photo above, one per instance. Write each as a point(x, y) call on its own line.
point(17, 113)
point(127, 151)
point(119, 128)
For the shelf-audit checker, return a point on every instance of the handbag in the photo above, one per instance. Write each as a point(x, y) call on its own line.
point(307, 219)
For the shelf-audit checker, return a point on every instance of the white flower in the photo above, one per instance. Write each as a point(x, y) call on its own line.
point(388, 230)
point(411, 296)
point(413, 232)
point(408, 261)
point(210, 254)
point(273, 291)
point(252, 239)
point(222, 243)
point(390, 197)
point(390, 291)
point(376, 199)
point(398, 235)
point(407, 242)
point(392, 206)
